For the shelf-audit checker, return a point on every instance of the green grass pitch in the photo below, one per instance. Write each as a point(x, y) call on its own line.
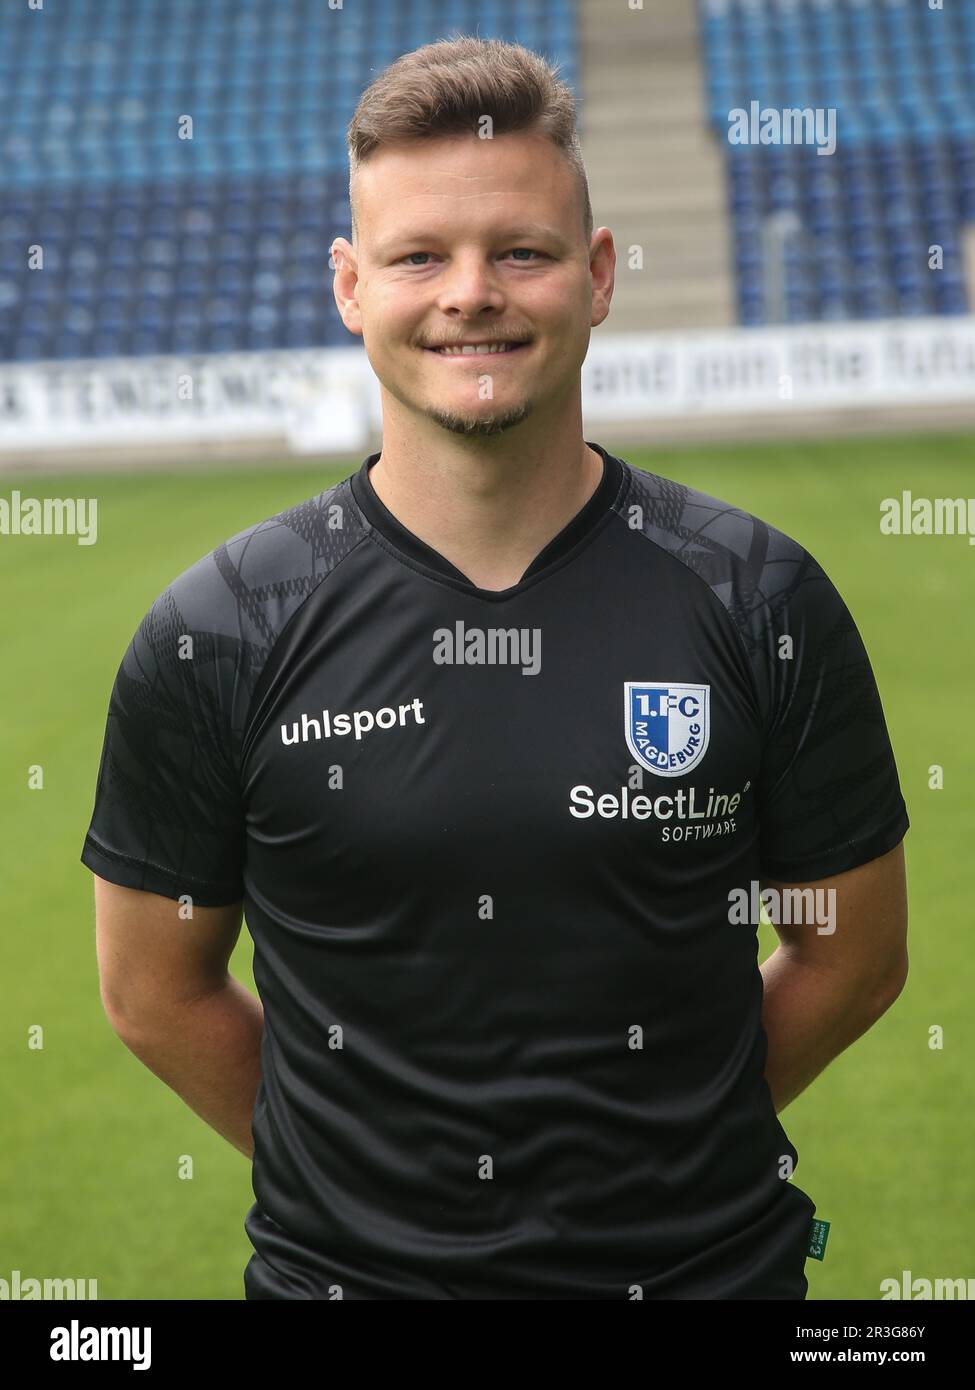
point(91, 1139)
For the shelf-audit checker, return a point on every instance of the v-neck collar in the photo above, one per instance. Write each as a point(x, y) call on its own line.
point(431, 562)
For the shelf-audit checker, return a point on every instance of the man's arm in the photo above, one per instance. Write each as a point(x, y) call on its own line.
point(168, 995)
point(824, 989)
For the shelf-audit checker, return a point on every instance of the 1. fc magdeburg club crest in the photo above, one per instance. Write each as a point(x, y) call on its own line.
point(667, 725)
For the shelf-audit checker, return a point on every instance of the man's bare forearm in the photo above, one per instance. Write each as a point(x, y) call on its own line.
point(810, 1016)
point(209, 1053)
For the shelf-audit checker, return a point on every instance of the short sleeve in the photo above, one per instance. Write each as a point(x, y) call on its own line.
point(168, 815)
point(829, 798)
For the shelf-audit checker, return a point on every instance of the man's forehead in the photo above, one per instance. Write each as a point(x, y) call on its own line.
point(464, 165)
point(441, 182)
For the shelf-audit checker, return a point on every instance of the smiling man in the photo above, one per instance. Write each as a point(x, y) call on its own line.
point(474, 279)
point(485, 741)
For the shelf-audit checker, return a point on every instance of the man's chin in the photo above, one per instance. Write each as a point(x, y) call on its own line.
point(473, 425)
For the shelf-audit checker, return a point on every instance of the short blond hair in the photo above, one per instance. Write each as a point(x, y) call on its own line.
point(448, 87)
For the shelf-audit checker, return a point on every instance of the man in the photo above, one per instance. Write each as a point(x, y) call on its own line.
point(488, 741)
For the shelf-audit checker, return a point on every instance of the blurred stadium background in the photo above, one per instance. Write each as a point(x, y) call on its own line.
point(792, 332)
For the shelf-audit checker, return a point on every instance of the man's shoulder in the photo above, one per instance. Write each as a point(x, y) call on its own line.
point(751, 565)
point(216, 623)
point(694, 525)
point(250, 584)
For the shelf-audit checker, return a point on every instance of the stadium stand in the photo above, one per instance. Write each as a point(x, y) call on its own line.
point(847, 236)
point(154, 243)
point(181, 168)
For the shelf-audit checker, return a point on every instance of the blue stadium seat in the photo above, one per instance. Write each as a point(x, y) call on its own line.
point(153, 243)
point(901, 78)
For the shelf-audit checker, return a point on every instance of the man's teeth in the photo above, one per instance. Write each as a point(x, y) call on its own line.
point(478, 347)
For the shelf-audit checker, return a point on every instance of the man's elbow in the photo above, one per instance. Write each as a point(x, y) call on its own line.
point(113, 1000)
point(143, 1009)
point(893, 983)
point(131, 1013)
point(123, 1016)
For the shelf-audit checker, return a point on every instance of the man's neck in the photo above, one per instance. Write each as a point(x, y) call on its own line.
point(489, 517)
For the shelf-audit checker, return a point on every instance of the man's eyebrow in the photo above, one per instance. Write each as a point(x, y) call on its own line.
point(532, 230)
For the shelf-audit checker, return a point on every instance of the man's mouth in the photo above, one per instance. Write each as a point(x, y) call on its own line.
point(478, 349)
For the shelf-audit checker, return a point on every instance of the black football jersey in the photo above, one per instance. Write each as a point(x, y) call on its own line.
point(487, 844)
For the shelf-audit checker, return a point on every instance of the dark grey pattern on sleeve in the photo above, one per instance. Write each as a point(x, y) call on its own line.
point(829, 796)
point(168, 816)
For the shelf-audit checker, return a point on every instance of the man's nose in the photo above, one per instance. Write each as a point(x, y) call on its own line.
point(469, 285)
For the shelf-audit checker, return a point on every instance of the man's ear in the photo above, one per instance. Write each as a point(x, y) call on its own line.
point(343, 261)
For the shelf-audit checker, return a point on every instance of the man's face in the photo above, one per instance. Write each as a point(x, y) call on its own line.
point(465, 240)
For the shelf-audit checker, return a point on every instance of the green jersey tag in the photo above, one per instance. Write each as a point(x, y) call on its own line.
point(818, 1236)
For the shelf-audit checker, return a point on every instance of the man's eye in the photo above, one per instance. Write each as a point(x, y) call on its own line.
point(514, 249)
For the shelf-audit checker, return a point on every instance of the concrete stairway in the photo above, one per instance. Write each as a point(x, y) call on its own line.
point(655, 174)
